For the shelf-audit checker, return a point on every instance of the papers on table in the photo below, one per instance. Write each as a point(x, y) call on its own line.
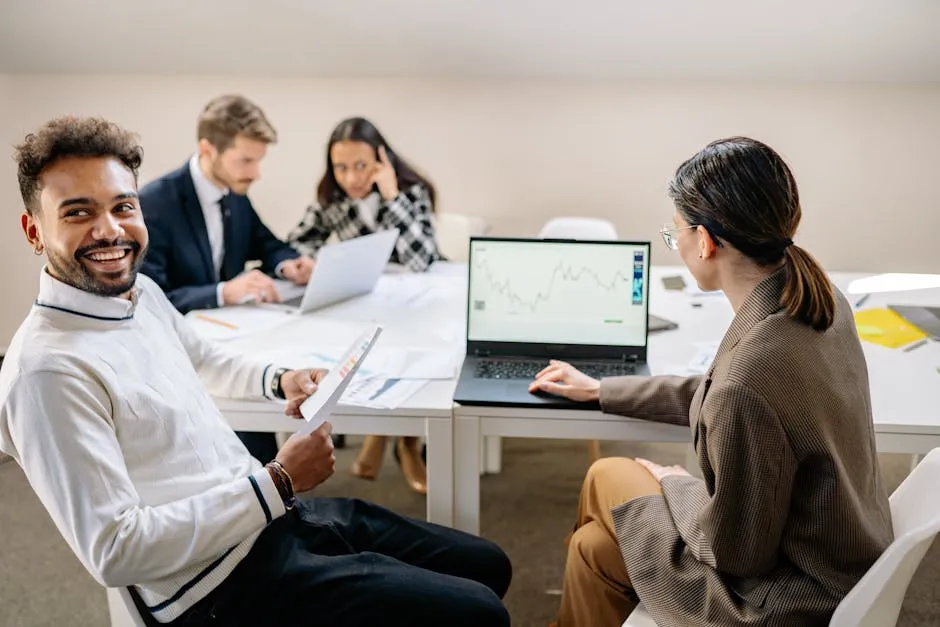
point(387, 362)
point(228, 323)
point(379, 393)
point(386, 380)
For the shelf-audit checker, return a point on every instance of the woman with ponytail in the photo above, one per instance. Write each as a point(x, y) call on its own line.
point(791, 510)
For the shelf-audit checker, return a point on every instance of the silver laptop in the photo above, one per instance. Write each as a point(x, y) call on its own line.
point(344, 270)
point(531, 300)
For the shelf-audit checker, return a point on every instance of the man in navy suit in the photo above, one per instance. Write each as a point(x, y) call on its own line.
point(203, 229)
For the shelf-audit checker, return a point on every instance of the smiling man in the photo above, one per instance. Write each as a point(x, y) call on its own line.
point(105, 404)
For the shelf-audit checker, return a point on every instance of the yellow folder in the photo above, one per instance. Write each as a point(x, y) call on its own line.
point(886, 328)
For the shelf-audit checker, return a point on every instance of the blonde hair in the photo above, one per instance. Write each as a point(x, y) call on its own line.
point(231, 115)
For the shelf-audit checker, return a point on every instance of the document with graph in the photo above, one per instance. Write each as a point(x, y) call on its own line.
point(317, 408)
point(558, 292)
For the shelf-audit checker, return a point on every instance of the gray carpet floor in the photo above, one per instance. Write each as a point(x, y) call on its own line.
point(527, 510)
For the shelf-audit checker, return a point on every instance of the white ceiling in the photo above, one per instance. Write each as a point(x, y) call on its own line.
point(773, 40)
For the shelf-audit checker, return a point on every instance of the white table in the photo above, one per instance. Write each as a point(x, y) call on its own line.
point(426, 322)
point(905, 390)
point(904, 386)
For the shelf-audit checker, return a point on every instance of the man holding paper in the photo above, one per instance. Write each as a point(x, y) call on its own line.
point(105, 404)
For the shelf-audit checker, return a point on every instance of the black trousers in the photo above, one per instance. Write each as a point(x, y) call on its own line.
point(261, 445)
point(347, 562)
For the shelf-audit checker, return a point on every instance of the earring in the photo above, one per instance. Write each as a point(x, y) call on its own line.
point(37, 251)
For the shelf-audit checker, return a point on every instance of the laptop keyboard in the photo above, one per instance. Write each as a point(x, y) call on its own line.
point(527, 369)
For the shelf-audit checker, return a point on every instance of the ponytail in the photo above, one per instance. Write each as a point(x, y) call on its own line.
point(807, 295)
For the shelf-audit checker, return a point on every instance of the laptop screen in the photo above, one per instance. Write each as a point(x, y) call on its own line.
point(551, 292)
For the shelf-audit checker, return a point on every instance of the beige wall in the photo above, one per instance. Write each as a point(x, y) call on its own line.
point(518, 153)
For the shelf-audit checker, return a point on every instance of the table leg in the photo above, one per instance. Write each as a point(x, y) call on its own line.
point(493, 447)
point(440, 464)
point(467, 474)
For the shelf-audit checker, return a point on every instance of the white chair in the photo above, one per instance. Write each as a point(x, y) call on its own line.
point(578, 228)
point(453, 232)
point(122, 609)
point(876, 599)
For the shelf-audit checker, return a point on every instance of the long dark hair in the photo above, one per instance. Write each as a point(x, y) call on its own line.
point(744, 194)
point(362, 130)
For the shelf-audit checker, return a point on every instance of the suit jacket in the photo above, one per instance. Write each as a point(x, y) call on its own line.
point(792, 510)
point(180, 259)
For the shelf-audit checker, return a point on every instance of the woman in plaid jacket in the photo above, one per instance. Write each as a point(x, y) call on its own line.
point(368, 188)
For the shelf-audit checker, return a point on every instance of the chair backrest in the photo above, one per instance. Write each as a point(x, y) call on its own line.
point(876, 599)
point(453, 231)
point(578, 228)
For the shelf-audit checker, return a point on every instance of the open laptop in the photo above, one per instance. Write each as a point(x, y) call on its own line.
point(344, 270)
point(927, 319)
point(532, 300)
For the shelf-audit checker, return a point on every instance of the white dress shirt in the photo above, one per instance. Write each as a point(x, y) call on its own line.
point(106, 406)
point(210, 197)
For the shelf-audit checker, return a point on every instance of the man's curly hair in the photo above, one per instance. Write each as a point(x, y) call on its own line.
point(71, 136)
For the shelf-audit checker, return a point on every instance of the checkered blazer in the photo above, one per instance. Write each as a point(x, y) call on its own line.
point(791, 511)
point(409, 213)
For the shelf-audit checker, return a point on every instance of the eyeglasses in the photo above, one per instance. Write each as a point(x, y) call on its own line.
point(672, 242)
point(669, 234)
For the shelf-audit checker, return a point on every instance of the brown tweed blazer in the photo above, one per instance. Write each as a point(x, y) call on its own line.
point(791, 511)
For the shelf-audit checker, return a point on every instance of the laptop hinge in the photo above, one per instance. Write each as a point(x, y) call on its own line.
point(631, 359)
point(478, 352)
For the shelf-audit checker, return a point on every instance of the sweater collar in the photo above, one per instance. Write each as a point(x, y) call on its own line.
point(54, 294)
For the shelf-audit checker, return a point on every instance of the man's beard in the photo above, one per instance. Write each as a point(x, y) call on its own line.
point(239, 187)
point(75, 273)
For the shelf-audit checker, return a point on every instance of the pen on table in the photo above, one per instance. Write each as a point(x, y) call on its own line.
point(911, 347)
point(861, 300)
point(216, 321)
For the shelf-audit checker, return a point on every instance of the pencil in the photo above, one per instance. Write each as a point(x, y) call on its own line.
point(223, 323)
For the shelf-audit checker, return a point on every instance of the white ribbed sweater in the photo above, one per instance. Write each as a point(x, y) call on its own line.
point(106, 406)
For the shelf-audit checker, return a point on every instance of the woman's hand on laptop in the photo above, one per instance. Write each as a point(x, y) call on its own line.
point(563, 379)
point(297, 386)
point(298, 270)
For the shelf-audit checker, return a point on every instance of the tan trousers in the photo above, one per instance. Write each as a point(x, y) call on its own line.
point(597, 590)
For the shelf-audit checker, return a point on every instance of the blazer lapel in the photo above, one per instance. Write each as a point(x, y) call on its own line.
point(192, 210)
